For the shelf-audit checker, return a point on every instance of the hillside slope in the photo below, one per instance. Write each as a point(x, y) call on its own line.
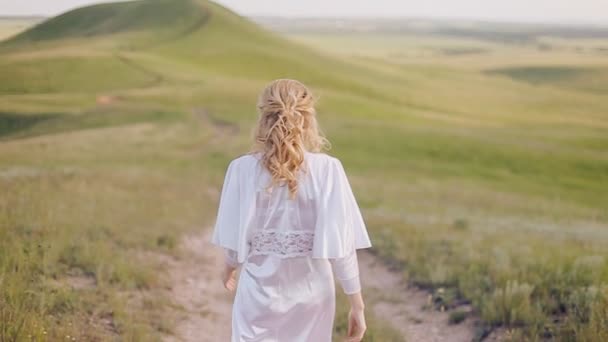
point(139, 44)
point(149, 16)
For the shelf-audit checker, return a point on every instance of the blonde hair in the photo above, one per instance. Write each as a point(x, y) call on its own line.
point(286, 129)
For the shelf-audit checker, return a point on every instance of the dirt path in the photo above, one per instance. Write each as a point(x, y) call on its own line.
point(404, 308)
point(203, 307)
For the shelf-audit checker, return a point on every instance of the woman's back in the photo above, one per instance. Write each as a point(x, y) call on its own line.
point(287, 217)
point(323, 219)
point(283, 226)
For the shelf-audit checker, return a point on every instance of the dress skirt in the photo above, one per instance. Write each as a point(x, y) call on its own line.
point(284, 299)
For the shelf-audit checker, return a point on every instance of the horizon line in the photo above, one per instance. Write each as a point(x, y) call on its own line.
point(558, 22)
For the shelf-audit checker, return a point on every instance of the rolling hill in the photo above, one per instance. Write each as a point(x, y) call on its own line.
point(141, 44)
point(149, 17)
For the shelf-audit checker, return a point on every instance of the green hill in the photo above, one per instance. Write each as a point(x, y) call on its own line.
point(129, 45)
point(150, 16)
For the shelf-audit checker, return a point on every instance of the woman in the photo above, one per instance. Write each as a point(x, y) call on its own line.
point(287, 217)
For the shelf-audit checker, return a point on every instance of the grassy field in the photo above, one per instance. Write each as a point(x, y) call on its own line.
point(494, 171)
point(481, 167)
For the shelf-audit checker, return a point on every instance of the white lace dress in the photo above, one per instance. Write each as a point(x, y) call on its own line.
point(287, 248)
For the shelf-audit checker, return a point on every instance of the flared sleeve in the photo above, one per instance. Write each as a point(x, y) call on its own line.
point(339, 228)
point(234, 214)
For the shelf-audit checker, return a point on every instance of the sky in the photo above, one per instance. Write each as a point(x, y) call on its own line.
point(565, 11)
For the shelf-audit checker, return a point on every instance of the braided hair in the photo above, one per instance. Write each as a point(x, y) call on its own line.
point(286, 129)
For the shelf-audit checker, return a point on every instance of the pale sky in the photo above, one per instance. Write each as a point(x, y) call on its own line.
point(580, 11)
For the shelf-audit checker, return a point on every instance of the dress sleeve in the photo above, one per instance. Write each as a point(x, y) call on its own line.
point(237, 207)
point(339, 228)
point(230, 257)
point(346, 271)
point(226, 230)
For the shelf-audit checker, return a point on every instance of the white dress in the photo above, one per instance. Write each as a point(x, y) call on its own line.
point(287, 248)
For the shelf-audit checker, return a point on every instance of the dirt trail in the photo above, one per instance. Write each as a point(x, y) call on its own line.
point(204, 307)
point(404, 308)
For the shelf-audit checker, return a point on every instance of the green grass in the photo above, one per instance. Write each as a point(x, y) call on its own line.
point(492, 188)
point(589, 79)
point(92, 210)
point(61, 74)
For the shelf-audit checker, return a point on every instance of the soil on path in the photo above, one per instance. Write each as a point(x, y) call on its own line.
point(407, 309)
point(203, 305)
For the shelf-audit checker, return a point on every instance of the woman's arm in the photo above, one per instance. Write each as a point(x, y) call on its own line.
point(229, 269)
point(346, 271)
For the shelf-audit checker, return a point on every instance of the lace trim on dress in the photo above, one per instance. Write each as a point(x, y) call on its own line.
point(285, 244)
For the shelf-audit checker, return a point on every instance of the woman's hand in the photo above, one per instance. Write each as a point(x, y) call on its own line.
point(229, 278)
point(356, 318)
point(356, 325)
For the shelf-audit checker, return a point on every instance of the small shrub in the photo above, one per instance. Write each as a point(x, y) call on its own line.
point(460, 224)
point(166, 241)
point(510, 305)
point(592, 310)
point(457, 317)
point(444, 298)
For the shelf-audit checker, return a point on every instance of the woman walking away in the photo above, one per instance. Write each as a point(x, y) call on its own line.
point(288, 218)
